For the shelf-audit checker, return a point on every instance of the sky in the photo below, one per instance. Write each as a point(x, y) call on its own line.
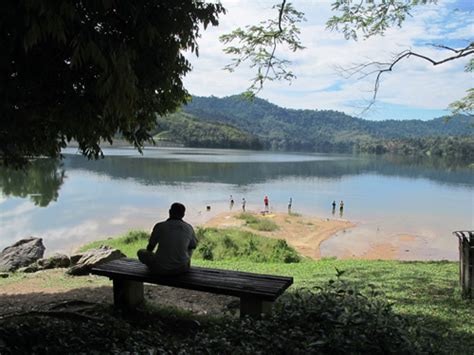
point(414, 90)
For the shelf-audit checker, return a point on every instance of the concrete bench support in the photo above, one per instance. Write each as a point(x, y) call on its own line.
point(254, 306)
point(128, 294)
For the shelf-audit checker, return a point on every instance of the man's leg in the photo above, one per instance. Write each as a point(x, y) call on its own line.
point(147, 257)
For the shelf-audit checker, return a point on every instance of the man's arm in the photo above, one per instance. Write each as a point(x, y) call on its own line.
point(193, 241)
point(153, 239)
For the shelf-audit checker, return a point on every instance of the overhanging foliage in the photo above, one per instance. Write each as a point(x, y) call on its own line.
point(85, 70)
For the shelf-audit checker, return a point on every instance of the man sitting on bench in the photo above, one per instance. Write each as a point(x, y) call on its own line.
point(176, 241)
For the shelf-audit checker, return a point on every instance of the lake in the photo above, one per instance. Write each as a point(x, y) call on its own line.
point(410, 206)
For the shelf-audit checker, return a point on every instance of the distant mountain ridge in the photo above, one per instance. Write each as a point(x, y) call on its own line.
point(316, 130)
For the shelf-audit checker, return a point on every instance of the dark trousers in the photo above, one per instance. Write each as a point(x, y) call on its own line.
point(149, 259)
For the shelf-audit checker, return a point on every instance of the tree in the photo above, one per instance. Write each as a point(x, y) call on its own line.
point(40, 181)
point(355, 19)
point(86, 70)
point(377, 69)
point(373, 18)
point(257, 44)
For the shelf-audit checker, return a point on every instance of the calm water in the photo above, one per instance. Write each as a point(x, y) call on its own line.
point(78, 200)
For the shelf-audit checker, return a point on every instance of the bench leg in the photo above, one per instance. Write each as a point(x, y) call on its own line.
point(127, 294)
point(254, 306)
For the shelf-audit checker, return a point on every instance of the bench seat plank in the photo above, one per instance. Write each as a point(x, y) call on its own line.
point(226, 282)
point(223, 278)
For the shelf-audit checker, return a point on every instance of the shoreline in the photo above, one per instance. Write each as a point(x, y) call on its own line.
point(311, 235)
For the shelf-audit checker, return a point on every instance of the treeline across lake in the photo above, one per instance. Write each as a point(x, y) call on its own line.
point(458, 147)
point(235, 122)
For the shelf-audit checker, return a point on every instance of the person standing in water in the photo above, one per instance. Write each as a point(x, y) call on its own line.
point(289, 205)
point(265, 202)
point(231, 202)
point(341, 208)
point(243, 204)
point(333, 207)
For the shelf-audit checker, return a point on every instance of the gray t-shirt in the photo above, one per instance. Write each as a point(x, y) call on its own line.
point(175, 239)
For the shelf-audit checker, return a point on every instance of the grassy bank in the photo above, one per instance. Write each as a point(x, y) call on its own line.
point(354, 304)
point(426, 292)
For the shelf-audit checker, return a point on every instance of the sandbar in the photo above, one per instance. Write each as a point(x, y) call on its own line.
point(303, 233)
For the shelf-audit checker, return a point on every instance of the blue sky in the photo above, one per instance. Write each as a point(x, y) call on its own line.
point(414, 90)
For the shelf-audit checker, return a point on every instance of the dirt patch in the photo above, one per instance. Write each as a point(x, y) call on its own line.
point(407, 238)
point(380, 251)
point(37, 291)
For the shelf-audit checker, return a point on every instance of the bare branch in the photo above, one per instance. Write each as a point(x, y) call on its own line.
point(280, 15)
point(378, 69)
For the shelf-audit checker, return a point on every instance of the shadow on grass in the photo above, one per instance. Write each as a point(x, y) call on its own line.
point(427, 293)
point(84, 320)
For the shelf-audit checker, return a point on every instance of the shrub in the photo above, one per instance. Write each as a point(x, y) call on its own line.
point(248, 217)
point(260, 224)
point(264, 225)
point(200, 234)
point(234, 244)
point(334, 319)
point(250, 246)
point(205, 250)
point(282, 252)
point(135, 236)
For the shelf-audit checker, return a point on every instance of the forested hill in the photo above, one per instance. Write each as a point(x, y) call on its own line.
point(183, 128)
point(318, 130)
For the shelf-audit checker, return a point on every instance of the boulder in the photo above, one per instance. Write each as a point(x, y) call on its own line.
point(22, 253)
point(54, 261)
point(94, 257)
point(30, 268)
point(75, 258)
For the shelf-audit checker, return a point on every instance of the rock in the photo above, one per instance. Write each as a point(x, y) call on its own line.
point(30, 268)
point(75, 258)
point(94, 257)
point(22, 253)
point(54, 261)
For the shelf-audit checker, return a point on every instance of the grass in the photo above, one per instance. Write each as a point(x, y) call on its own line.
point(214, 244)
point(257, 223)
point(428, 293)
point(128, 243)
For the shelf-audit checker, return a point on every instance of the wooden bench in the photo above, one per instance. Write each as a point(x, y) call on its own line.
point(256, 292)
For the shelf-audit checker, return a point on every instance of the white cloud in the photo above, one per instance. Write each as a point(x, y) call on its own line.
point(19, 210)
point(414, 83)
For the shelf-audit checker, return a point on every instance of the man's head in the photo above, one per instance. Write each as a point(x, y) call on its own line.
point(177, 210)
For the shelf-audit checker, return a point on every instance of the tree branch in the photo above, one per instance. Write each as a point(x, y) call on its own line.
point(258, 46)
point(380, 68)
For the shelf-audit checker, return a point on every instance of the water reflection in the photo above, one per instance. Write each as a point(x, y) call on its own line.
point(417, 197)
point(152, 171)
point(40, 181)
